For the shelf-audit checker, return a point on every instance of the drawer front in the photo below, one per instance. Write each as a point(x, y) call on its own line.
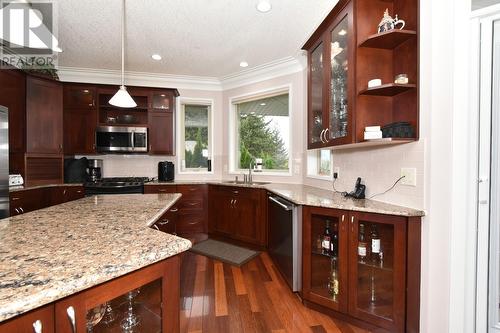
point(152, 189)
point(186, 205)
point(74, 193)
point(167, 223)
point(192, 191)
point(195, 222)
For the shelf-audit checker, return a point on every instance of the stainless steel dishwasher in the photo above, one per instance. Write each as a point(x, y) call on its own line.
point(285, 239)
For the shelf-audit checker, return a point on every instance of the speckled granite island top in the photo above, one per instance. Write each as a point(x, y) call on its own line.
point(55, 252)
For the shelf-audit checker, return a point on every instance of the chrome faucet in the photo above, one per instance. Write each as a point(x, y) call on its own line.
point(250, 172)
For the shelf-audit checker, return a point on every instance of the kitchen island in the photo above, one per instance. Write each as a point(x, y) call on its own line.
point(53, 253)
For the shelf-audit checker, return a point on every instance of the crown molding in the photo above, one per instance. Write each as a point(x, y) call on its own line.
point(106, 76)
point(270, 70)
point(256, 74)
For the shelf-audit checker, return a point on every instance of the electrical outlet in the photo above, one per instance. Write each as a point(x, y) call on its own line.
point(337, 171)
point(410, 176)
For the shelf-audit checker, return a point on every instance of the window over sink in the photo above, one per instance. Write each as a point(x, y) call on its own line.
point(195, 136)
point(260, 133)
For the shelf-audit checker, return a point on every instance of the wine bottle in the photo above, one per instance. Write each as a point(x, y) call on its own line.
point(327, 239)
point(333, 280)
point(361, 243)
point(334, 250)
point(375, 237)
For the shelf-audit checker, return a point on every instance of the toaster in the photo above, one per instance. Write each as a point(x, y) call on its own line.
point(16, 180)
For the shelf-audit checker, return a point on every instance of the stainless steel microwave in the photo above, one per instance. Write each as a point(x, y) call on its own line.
point(117, 139)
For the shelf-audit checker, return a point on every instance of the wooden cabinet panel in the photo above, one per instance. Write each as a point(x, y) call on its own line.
point(168, 222)
point(44, 116)
point(79, 131)
point(151, 189)
point(247, 224)
point(13, 96)
point(74, 193)
point(25, 323)
point(78, 96)
point(162, 100)
point(161, 133)
point(28, 200)
point(44, 169)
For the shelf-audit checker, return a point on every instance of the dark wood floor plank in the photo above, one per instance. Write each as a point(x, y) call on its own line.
point(209, 323)
point(235, 324)
point(220, 290)
point(239, 283)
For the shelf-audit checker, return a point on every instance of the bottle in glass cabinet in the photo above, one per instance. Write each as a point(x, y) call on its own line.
point(327, 239)
point(333, 280)
point(362, 244)
point(375, 237)
point(334, 244)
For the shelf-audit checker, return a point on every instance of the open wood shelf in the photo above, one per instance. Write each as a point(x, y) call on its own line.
point(388, 39)
point(319, 253)
point(375, 143)
point(388, 89)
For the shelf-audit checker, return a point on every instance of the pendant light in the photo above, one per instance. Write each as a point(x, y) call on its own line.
point(122, 98)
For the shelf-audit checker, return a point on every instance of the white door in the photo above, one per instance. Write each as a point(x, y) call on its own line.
point(488, 292)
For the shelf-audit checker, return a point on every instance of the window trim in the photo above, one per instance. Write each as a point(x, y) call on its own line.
point(181, 101)
point(277, 90)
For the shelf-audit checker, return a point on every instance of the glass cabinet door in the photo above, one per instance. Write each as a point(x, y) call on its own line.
point(377, 278)
point(316, 123)
point(79, 97)
point(161, 101)
point(139, 310)
point(338, 110)
point(326, 279)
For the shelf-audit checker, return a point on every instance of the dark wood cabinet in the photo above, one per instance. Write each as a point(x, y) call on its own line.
point(42, 318)
point(44, 116)
point(344, 54)
point(168, 222)
point(365, 277)
point(13, 96)
point(80, 119)
point(28, 200)
point(238, 213)
point(161, 133)
point(152, 189)
point(162, 100)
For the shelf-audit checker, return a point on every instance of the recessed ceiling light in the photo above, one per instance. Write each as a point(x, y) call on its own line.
point(156, 57)
point(262, 104)
point(243, 64)
point(342, 32)
point(264, 6)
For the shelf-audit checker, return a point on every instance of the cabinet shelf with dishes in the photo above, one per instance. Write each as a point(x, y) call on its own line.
point(344, 54)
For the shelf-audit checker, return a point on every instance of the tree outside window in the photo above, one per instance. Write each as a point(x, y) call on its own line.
point(196, 136)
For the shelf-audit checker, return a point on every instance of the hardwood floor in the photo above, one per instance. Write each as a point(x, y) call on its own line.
point(217, 297)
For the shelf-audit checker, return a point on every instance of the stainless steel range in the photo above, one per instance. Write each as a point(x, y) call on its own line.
point(116, 185)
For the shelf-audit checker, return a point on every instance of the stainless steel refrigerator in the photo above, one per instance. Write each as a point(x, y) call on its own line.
point(4, 162)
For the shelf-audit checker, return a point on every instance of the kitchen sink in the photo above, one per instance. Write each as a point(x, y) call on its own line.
point(242, 183)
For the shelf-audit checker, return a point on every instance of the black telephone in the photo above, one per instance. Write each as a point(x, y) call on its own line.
point(359, 190)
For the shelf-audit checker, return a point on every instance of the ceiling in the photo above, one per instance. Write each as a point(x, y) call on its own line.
point(194, 37)
point(478, 4)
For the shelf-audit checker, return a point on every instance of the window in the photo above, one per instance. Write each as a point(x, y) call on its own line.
point(319, 163)
point(195, 137)
point(262, 133)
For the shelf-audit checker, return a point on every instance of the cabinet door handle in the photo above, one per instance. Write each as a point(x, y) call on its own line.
point(174, 210)
point(64, 192)
point(164, 222)
point(37, 326)
point(325, 135)
point(21, 209)
point(235, 202)
point(236, 192)
point(352, 223)
point(343, 217)
point(232, 203)
point(321, 136)
point(156, 227)
point(72, 318)
point(17, 210)
point(15, 198)
point(192, 203)
point(79, 191)
point(162, 190)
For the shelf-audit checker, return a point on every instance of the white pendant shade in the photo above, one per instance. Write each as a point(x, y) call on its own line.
point(122, 99)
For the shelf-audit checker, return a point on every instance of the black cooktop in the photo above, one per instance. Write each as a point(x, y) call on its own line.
point(117, 185)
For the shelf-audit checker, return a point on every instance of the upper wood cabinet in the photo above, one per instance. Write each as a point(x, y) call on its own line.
point(13, 96)
point(331, 84)
point(162, 100)
point(80, 119)
point(344, 54)
point(44, 116)
point(161, 133)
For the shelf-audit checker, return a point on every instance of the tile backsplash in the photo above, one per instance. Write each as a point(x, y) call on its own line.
point(131, 165)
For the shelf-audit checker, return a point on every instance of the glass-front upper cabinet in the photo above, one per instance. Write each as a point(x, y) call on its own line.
point(339, 79)
point(377, 270)
point(331, 84)
point(325, 281)
point(316, 70)
point(162, 101)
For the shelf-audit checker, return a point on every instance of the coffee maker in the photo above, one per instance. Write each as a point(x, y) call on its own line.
point(94, 172)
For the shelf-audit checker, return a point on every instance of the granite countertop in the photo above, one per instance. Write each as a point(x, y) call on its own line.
point(55, 252)
point(23, 188)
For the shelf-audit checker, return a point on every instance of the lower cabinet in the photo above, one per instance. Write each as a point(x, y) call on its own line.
point(28, 200)
point(238, 213)
point(363, 273)
point(37, 321)
point(146, 300)
point(168, 221)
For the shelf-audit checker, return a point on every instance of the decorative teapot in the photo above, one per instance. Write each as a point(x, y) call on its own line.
point(388, 23)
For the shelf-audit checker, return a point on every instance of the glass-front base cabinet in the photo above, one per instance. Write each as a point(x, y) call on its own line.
point(143, 301)
point(363, 265)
